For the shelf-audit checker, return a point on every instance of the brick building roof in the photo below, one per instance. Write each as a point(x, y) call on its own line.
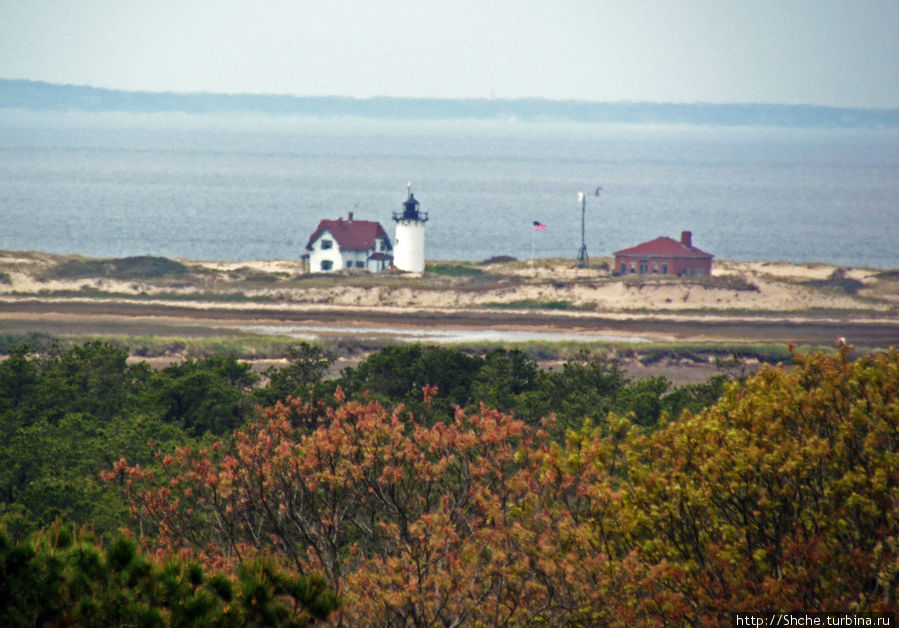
point(664, 247)
point(351, 235)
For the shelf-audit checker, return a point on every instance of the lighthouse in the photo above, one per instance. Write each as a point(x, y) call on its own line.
point(409, 241)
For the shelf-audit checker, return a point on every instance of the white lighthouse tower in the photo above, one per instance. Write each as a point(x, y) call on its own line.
point(409, 242)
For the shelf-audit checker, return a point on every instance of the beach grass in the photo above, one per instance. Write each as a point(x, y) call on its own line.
point(528, 304)
point(459, 269)
point(139, 267)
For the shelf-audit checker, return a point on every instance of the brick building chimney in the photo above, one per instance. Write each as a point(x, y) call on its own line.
point(686, 238)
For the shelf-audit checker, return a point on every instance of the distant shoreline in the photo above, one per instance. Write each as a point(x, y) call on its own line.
point(43, 96)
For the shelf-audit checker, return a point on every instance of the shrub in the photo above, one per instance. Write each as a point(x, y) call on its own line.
point(140, 267)
point(838, 281)
point(65, 578)
point(454, 270)
point(781, 497)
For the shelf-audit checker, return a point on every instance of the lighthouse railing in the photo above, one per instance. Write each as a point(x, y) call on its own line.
point(420, 216)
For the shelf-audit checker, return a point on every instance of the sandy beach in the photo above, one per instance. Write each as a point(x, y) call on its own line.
point(768, 302)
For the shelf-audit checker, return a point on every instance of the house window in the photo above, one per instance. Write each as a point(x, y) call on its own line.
point(327, 264)
point(349, 264)
point(623, 268)
point(633, 268)
point(664, 269)
point(644, 267)
point(360, 264)
point(327, 244)
point(655, 268)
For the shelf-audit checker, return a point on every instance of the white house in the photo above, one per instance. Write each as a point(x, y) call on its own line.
point(349, 243)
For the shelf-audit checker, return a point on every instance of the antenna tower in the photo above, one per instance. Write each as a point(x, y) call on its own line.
point(582, 258)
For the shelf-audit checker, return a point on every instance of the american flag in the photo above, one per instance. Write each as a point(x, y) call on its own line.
point(539, 226)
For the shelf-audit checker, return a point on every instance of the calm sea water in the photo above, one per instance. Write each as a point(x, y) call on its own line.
point(251, 187)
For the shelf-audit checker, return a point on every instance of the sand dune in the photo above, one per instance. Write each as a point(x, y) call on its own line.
point(752, 286)
point(508, 294)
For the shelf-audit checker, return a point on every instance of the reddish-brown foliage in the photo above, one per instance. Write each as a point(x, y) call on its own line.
point(783, 496)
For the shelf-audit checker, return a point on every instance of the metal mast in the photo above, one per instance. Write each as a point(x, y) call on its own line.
point(582, 254)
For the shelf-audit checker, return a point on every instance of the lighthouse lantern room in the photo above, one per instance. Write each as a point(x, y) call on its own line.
point(409, 241)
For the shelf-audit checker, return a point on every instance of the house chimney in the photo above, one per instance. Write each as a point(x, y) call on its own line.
point(350, 218)
point(686, 238)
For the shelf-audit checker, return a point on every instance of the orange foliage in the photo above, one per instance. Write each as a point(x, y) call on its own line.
point(783, 496)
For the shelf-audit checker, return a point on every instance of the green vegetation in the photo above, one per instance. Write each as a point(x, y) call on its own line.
point(703, 352)
point(535, 304)
point(244, 273)
point(141, 267)
point(454, 270)
point(68, 413)
point(65, 415)
point(812, 312)
point(229, 296)
point(242, 346)
point(62, 577)
point(838, 281)
point(250, 347)
point(498, 259)
point(781, 495)
point(39, 341)
point(433, 486)
point(737, 283)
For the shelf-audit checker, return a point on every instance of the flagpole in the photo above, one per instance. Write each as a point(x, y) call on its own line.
point(582, 253)
point(535, 227)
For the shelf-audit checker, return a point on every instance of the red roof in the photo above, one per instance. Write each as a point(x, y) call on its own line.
point(351, 235)
point(664, 247)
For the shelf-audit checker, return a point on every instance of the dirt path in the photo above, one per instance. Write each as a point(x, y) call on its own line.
point(198, 319)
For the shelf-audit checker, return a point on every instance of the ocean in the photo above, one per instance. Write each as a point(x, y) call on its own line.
point(244, 187)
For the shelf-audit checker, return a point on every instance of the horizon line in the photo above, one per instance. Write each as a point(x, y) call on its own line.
point(480, 99)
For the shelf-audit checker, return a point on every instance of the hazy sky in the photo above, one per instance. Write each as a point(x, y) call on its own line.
point(841, 53)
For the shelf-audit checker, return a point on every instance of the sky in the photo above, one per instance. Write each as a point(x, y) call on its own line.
point(842, 53)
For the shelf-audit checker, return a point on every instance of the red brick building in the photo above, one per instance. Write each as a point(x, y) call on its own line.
point(664, 256)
